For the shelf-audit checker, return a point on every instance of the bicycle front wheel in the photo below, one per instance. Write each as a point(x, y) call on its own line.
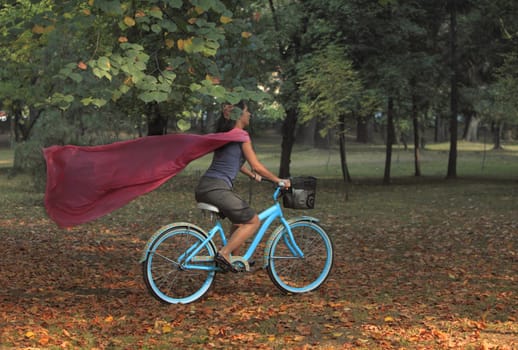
point(292, 272)
point(166, 274)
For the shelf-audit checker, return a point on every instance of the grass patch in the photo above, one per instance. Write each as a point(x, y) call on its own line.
point(368, 161)
point(6, 158)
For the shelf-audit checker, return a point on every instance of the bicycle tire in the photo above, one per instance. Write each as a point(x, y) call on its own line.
point(165, 277)
point(293, 274)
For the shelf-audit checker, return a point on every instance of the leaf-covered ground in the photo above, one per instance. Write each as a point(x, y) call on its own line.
point(426, 264)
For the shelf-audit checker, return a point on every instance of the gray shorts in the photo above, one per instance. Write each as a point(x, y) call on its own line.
point(217, 192)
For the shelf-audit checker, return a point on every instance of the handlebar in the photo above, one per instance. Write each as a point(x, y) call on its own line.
point(280, 187)
point(280, 184)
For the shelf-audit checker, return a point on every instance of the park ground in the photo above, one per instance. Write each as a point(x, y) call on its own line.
point(424, 263)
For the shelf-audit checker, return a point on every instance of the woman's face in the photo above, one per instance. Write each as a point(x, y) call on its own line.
point(245, 116)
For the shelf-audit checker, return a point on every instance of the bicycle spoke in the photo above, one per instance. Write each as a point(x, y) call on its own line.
point(167, 259)
point(276, 257)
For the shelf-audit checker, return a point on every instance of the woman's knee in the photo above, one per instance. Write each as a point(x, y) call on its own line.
point(254, 221)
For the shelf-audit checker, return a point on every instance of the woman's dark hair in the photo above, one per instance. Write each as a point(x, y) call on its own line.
point(241, 104)
point(225, 124)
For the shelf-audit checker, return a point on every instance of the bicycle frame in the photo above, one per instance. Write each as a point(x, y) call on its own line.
point(266, 218)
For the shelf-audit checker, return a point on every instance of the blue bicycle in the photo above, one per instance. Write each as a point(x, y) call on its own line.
point(178, 260)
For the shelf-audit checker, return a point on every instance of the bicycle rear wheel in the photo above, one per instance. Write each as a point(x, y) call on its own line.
point(293, 273)
point(166, 276)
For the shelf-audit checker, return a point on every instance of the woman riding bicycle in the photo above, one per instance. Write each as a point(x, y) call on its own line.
point(216, 185)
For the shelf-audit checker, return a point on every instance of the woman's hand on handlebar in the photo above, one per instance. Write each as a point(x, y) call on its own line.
point(285, 183)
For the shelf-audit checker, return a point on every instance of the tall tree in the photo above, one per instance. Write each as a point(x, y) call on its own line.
point(149, 57)
point(393, 45)
point(486, 44)
point(288, 30)
point(330, 90)
point(452, 158)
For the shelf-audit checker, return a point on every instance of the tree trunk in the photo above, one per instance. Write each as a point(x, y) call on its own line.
point(471, 132)
point(287, 56)
point(209, 124)
point(12, 131)
point(436, 125)
point(497, 128)
point(23, 124)
point(156, 123)
point(415, 122)
point(362, 129)
point(440, 129)
point(390, 140)
point(343, 159)
point(452, 159)
point(288, 138)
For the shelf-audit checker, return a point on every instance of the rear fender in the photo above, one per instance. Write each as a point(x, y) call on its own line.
point(176, 225)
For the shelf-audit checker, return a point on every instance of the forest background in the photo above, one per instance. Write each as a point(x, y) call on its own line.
point(359, 93)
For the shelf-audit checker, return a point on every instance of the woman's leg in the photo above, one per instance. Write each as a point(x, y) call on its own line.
point(240, 235)
point(233, 229)
point(218, 193)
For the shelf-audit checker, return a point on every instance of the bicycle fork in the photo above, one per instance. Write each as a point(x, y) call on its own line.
point(289, 240)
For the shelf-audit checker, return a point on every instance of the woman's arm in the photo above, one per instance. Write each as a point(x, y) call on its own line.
point(253, 175)
point(258, 167)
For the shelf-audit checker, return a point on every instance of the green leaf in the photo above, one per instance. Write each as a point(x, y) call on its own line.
point(61, 101)
point(132, 46)
point(183, 125)
point(153, 96)
point(233, 98)
point(169, 25)
point(156, 13)
point(124, 88)
point(110, 7)
point(219, 91)
point(204, 4)
point(168, 76)
point(98, 102)
point(155, 28)
point(101, 73)
point(147, 82)
point(198, 45)
point(104, 63)
point(195, 87)
point(75, 77)
point(65, 71)
point(176, 4)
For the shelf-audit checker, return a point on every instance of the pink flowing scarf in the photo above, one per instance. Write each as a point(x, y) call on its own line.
point(85, 183)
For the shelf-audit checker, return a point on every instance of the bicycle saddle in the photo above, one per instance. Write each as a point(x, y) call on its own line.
point(209, 207)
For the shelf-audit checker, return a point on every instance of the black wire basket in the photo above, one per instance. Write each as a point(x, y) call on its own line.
point(302, 193)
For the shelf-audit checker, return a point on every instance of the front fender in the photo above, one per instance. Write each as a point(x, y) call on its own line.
point(278, 231)
point(163, 229)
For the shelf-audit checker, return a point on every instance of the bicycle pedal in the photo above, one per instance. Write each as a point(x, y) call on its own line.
point(240, 269)
point(240, 264)
point(244, 268)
